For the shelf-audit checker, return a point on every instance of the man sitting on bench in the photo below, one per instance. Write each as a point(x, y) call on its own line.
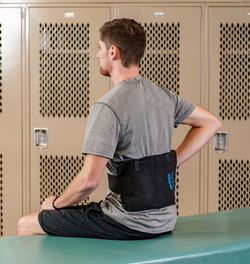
point(129, 132)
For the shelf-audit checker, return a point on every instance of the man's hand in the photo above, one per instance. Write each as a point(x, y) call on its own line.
point(47, 204)
point(204, 126)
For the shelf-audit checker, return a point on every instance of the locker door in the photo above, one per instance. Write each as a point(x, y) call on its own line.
point(229, 175)
point(10, 120)
point(172, 59)
point(64, 83)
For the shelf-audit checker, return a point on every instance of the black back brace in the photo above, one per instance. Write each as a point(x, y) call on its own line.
point(146, 183)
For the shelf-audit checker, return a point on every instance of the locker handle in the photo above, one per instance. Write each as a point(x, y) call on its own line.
point(41, 137)
point(220, 141)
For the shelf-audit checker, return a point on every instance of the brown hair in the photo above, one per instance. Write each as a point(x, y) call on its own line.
point(128, 35)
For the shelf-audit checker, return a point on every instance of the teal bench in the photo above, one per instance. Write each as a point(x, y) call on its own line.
point(221, 237)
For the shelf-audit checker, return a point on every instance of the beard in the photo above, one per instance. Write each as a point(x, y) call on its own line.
point(104, 72)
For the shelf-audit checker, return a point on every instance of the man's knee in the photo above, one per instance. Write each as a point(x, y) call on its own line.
point(29, 225)
point(22, 226)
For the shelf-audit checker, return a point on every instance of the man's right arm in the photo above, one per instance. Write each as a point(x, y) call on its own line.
point(82, 185)
point(203, 126)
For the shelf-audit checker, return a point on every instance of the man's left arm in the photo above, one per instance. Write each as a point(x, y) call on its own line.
point(82, 186)
point(203, 126)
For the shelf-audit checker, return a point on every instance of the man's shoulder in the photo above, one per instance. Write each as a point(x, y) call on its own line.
point(129, 90)
point(110, 96)
point(116, 94)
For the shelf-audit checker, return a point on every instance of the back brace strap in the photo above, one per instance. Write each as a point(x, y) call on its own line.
point(146, 183)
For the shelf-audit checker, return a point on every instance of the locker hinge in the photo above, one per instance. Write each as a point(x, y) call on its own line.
point(110, 14)
point(23, 14)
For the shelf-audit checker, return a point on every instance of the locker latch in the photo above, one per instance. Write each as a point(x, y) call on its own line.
point(41, 137)
point(220, 141)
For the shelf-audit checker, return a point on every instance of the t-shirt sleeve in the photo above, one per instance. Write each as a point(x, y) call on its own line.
point(183, 108)
point(102, 132)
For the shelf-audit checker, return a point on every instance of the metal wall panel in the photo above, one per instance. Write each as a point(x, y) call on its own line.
point(173, 60)
point(229, 169)
point(10, 120)
point(64, 83)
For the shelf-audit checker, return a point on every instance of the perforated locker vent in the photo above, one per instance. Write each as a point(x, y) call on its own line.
point(161, 61)
point(1, 69)
point(177, 179)
point(234, 184)
point(56, 173)
point(1, 195)
point(234, 71)
point(64, 70)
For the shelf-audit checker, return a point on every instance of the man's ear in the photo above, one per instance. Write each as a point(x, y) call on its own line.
point(114, 53)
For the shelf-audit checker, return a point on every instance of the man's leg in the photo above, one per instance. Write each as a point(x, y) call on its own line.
point(29, 225)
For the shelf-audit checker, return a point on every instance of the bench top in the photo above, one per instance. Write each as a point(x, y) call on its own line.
point(220, 237)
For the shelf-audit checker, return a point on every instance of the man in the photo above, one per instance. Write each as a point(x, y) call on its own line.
point(134, 121)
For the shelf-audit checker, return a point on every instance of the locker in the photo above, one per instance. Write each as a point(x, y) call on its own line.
point(10, 120)
point(64, 83)
point(229, 76)
point(173, 59)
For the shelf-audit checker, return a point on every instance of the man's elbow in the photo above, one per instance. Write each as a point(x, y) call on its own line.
point(90, 185)
point(215, 124)
point(218, 124)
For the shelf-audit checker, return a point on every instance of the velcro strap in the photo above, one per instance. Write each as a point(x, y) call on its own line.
point(121, 185)
point(137, 165)
point(167, 157)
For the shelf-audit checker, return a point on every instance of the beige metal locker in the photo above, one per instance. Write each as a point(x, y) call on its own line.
point(10, 120)
point(173, 60)
point(64, 83)
point(229, 88)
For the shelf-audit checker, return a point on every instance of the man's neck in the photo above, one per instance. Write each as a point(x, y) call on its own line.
point(121, 73)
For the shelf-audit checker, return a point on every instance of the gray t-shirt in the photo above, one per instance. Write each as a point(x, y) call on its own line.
point(133, 120)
